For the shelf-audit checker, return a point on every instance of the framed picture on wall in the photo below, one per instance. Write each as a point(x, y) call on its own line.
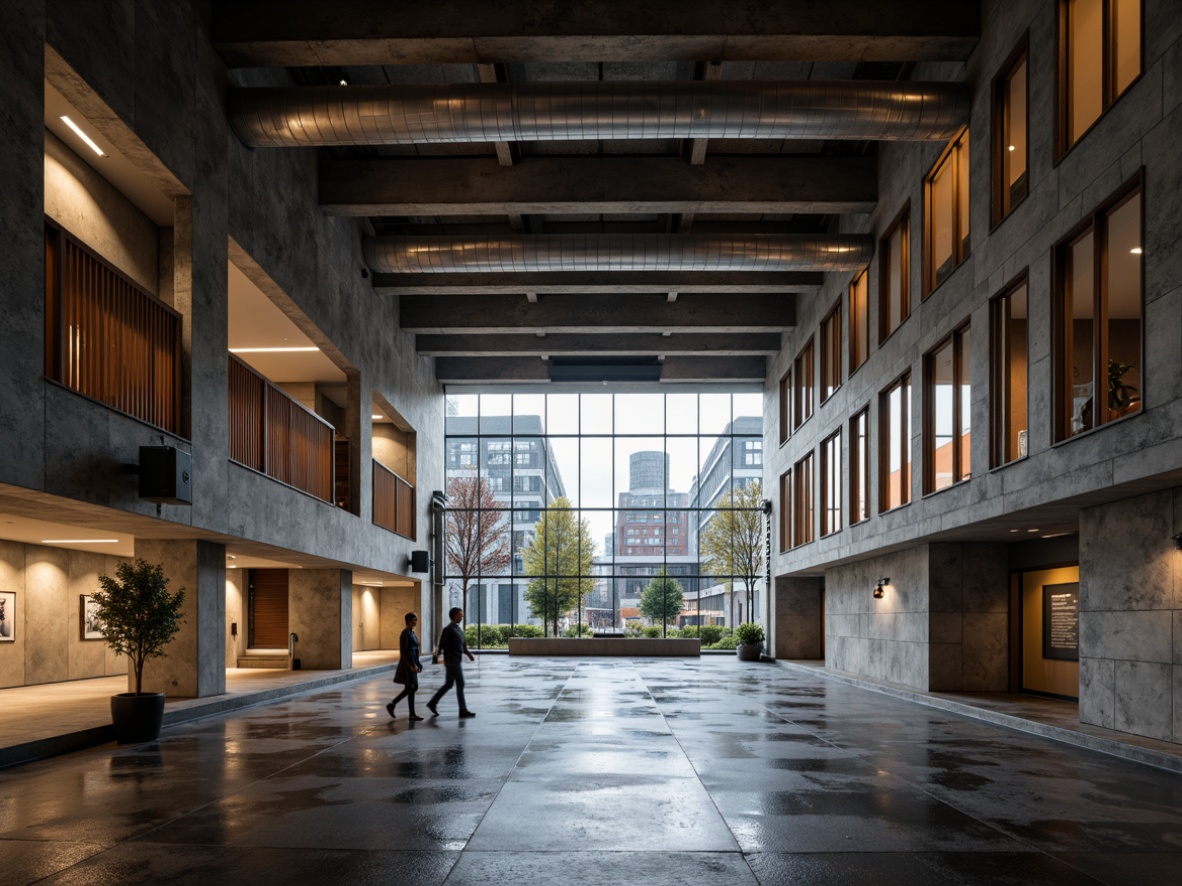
point(7, 616)
point(92, 627)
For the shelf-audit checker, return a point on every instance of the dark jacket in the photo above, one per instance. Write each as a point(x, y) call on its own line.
point(408, 657)
point(452, 644)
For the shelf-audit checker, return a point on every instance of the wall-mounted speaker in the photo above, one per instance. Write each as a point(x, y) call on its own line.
point(166, 475)
point(420, 561)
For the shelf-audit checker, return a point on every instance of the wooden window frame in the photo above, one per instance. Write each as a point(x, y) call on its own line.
point(1019, 56)
point(901, 222)
point(884, 440)
point(859, 330)
point(803, 501)
point(786, 511)
point(999, 371)
point(785, 406)
point(830, 335)
point(1109, 96)
point(960, 251)
point(831, 500)
point(804, 366)
point(1096, 222)
point(859, 470)
point(959, 475)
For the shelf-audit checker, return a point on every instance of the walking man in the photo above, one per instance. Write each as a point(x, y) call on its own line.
point(454, 648)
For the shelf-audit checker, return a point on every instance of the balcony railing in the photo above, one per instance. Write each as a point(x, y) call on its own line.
point(393, 501)
point(107, 338)
point(277, 436)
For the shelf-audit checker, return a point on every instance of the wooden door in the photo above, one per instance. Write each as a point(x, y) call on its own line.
point(268, 609)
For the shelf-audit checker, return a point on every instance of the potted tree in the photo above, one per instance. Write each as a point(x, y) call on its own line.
point(140, 617)
point(750, 641)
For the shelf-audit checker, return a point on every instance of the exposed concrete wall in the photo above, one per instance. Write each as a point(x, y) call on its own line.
point(194, 665)
point(47, 645)
point(1130, 601)
point(90, 208)
point(320, 613)
point(396, 602)
point(236, 612)
point(395, 449)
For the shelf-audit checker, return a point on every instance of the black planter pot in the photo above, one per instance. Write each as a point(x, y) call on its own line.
point(137, 717)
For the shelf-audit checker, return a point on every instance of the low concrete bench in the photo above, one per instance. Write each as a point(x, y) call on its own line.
point(624, 647)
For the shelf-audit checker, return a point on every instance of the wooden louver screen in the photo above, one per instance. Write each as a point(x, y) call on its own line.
point(393, 502)
point(272, 433)
point(109, 339)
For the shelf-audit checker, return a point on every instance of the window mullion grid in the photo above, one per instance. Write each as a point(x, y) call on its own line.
point(1100, 316)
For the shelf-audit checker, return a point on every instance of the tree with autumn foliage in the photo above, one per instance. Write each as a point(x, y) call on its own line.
point(479, 540)
point(732, 542)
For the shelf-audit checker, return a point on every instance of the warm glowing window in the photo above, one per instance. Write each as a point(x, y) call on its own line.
point(831, 353)
point(1010, 123)
point(860, 467)
point(831, 484)
point(1098, 316)
point(946, 213)
point(1100, 56)
point(785, 406)
point(802, 501)
point(803, 373)
point(859, 320)
point(948, 416)
point(894, 278)
point(894, 449)
point(1009, 371)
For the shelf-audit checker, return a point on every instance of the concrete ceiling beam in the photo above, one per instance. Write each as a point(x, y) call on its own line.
point(601, 314)
point(581, 185)
point(592, 282)
point(299, 33)
point(486, 370)
point(589, 344)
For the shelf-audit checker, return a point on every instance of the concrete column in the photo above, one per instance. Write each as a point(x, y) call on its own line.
point(320, 612)
point(798, 619)
point(194, 666)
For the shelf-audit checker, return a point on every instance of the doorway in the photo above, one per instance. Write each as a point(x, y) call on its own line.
point(1047, 604)
point(268, 609)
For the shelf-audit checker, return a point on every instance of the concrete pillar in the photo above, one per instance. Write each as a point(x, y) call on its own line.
point(320, 613)
point(798, 620)
point(194, 666)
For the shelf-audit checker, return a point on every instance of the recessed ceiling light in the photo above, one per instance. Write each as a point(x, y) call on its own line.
point(1011, 147)
point(79, 541)
point(1032, 530)
point(375, 416)
point(1136, 250)
point(82, 135)
point(232, 556)
point(1057, 534)
point(273, 350)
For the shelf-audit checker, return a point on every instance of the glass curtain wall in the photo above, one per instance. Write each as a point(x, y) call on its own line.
point(595, 513)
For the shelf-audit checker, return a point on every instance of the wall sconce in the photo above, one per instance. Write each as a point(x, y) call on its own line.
point(879, 593)
point(1178, 542)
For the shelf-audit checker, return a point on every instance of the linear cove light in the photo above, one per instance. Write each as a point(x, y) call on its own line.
point(273, 350)
point(79, 541)
point(82, 135)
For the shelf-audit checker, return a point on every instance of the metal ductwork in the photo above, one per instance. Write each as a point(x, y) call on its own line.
point(620, 252)
point(511, 112)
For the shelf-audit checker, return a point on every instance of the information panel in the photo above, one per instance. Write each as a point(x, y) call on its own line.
point(1060, 621)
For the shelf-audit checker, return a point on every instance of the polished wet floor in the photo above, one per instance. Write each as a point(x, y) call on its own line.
point(593, 771)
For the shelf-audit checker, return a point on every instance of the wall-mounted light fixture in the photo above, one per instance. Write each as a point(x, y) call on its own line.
point(879, 593)
point(1178, 541)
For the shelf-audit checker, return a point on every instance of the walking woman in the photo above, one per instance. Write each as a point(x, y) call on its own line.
point(409, 667)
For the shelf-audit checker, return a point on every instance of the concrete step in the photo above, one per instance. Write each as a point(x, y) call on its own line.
point(264, 658)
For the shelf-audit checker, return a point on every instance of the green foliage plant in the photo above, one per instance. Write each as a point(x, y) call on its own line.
point(709, 634)
point(652, 632)
point(138, 613)
point(662, 599)
point(559, 560)
point(726, 642)
point(749, 634)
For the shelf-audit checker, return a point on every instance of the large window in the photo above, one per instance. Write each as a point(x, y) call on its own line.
point(1098, 311)
point(785, 510)
point(894, 289)
point(803, 503)
point(859, 320)
point(946, 213)
point(1009, 373)
point(831, 352)
point(947, 413)
point(1010, 124)
point(804, 373)
point(860, 467)
point(831, 484)
point(894, 447)
point(1099, 58)
point(785, 406)
point(601, 511)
